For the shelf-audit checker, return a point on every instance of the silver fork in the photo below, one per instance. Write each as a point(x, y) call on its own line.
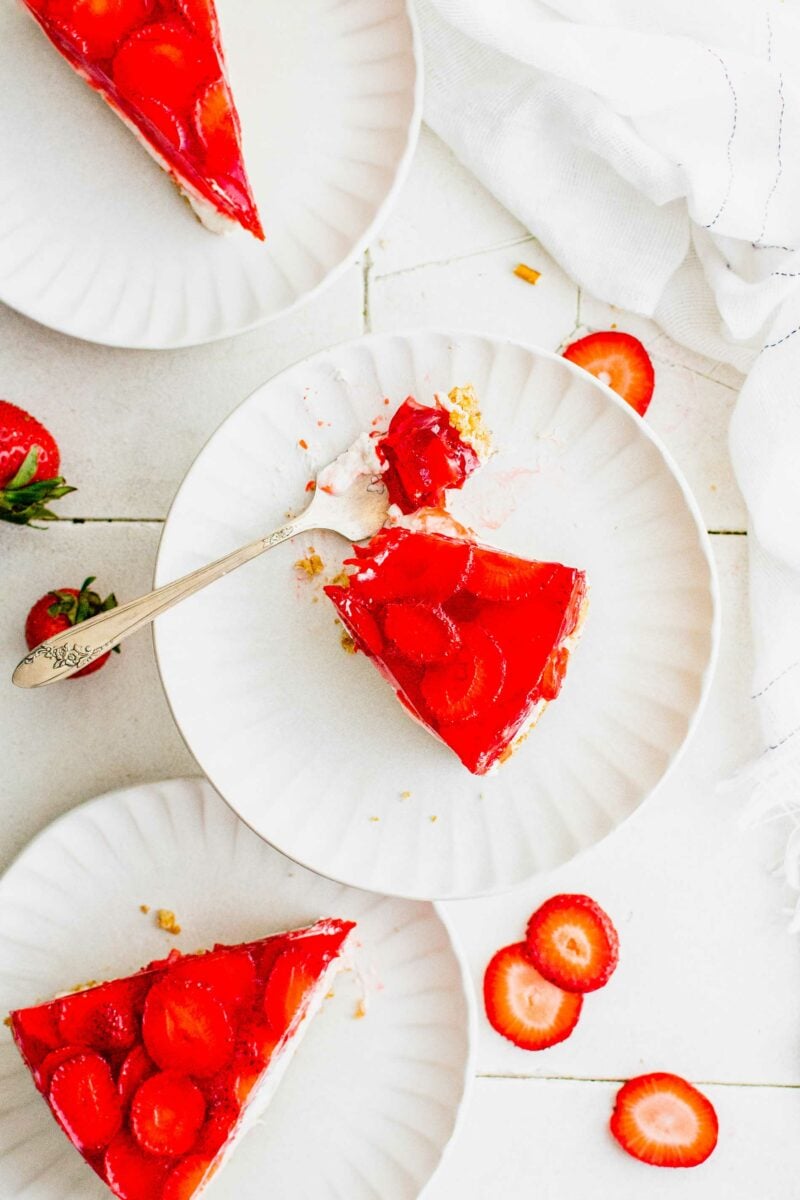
point(356, 514)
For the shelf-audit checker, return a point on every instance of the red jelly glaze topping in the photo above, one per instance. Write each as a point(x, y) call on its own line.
point(148, 1075)
point(160, 64)
point(424, 455)
point(507, 620)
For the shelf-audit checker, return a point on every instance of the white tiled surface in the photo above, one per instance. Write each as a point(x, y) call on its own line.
point(709, 978)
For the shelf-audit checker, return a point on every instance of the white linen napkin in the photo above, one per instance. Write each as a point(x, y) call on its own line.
point(653, 147)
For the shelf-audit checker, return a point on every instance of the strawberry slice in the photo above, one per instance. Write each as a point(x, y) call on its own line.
point(523, 1006)
point(186, 1178)
point(358, 619)
point(166, 1113)
point(96, 27)
point(185, 1028)
point(618, 360)
point(497, 576)
point(465, 684)
point(166, 62)
point(664, 1121)
point(573, 943)
point(130, 1173)
point(216, 127)
point(420, 566)
point(201, 16)
point(100, 1017)
point(44, 1072)
point(553, 673)
point(37, 1029)
point(137, 1067)
point(295, 972)
point(229, 974)
point(85, 1101)
point(164, 122)
point(421, 634)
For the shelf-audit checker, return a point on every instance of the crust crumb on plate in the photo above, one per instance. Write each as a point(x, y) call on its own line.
point(312, 564)
point(165, 920)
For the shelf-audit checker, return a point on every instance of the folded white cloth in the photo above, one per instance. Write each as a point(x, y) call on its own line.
point(652, 149)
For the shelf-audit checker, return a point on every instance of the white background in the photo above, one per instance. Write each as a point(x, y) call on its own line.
point(709, 977)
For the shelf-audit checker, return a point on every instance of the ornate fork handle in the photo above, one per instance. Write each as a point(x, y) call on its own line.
point(75, 648)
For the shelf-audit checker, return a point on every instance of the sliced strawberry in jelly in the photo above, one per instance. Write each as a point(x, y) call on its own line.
point(256, 1043)
point(497, 576)
point(184, 1180)
point(84, 1098)
point(467, 683)
point(219, 1126)
point(137, 1066)
point(166, 123)
point(185, 1028)
point(37, 1031)
point(290, 981)
point(165, 62)
point(103, 1017)
point(553, 674)
point(359, 620)
point(424, 456)
point(44, 1072)
point(96, 27)
point(201, 15)
point(166, 1114)
point(216, 128)
point(229, 974)
point(421, 633)
point(422, 566)
point(131, 1174)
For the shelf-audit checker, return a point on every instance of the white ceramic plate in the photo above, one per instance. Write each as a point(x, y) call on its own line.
point(309, 745)
point(367, 1106)
point(95, 240)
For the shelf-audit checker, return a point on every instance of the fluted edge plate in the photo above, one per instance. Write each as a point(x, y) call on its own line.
point(369, 1103)
point(309, 745)
point(95, 241)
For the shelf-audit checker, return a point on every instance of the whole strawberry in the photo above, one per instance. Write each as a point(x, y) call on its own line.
point(60, 609)
point(29, 462)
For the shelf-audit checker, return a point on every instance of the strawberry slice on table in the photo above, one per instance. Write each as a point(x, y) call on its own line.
point(29, 466)
point(618, 360)
point(523, 1006)
point(62, 608)
point(167, 1113)
point(84, 1098)
point(573, 943)
point(664, 1121)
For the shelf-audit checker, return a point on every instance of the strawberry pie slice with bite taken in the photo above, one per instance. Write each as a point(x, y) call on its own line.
point(474, 641)
point(155, 1077)
point(159, 64)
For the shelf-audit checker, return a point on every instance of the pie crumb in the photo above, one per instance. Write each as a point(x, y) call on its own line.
point(312, 564)
point(302, 443)
point(341, 580)
point(329, 995)
point(360, 1010)
point(465, 417)
point(405, 795)
point(83, 987)
point(145, 908)
point(529, 274)
point(7, 1022)
point(347, 643)
point(165, 920)
point(374, 818)
point(432, 819)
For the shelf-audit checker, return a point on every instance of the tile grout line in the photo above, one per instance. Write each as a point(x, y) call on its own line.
point(366, 281)
point(519, 240)
point(602, 1079)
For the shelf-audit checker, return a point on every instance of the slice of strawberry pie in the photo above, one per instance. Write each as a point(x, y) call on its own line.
point(160, 66)
point(475, 642)
point(154, 1077)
